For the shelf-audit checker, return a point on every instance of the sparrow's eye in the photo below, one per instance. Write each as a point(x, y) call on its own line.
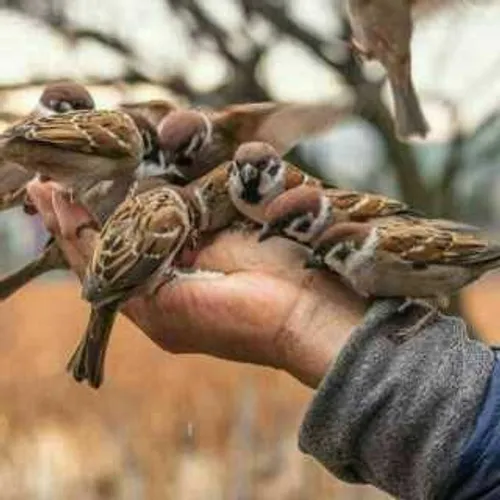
point(273, 169)
point(303, 226)
point(61, 106)
point(341, 251)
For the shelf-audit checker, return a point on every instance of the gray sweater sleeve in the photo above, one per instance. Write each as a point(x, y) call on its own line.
point(395, 413)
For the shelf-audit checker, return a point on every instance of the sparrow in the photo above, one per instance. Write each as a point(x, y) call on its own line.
point(137, 250)
point(61, 97)
point(404, 258)
point(58, 97)
point(196, 141)
point(100, 200)
point(382, 29)
point(77, 149)
point(302, 214)
point(258, 176)
point(136, 245)
point(153, 111)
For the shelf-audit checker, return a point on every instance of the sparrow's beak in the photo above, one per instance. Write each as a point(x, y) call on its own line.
point(268, 231)
point(314, 261)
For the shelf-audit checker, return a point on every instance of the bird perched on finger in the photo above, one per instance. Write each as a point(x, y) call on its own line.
point(302, 214)
point(58, 97)
point(77, 149)
point(100, 200)
point(137, 250)
point(394, 257)
point(196, 141)
point(259, 175)
point(136, 246)
point(382, 30)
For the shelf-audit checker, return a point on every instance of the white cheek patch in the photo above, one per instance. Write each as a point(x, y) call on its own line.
point(42, 110)
point(208, 130)
point(202, 206)
point(149, 169)
point(272, 186)
point(301, 236)
point(333, 260)
point(235, 185)
point(193, 145)
point(324, 218)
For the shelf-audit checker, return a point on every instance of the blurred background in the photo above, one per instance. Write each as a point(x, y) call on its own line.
point(190, 427)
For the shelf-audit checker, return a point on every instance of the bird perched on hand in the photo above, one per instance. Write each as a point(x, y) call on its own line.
point(196, 141)
point(303, 213)
point(393, 257)
point(259, 175)
point(100, 200)
point(136, 245)
point(58, 97)
point(136, 253)
point(382, 30)
point(77, 149)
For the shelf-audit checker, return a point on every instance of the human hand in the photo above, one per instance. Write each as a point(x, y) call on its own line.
point(265, 309)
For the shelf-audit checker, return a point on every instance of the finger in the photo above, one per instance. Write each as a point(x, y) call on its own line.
point(40, 195)
point(73, 218)
point(77, 245)
point(225, 316)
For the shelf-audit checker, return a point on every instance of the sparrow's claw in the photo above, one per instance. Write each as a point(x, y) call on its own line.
point(91, 224)
point(164, 277)
point(428, 317)
point(245, 226)
point(358, 51)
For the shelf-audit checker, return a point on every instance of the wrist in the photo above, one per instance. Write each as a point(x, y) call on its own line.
point(323, 317)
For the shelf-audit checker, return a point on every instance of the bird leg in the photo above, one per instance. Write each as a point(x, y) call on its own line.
point(164, 276)
point(358, 50)
point(245, 226)
point(91, 224)
point(427, 318)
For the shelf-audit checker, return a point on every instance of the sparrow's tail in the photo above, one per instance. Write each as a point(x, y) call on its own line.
point(87, 362)
point(51, 259)
point(410, 120)
point(490, 259)
point(484, 260)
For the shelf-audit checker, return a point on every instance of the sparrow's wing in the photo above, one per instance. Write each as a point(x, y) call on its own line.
point(280, 124)
point(426, 244)
point(105, 133)
point(296, 177)
point(144, 232)
point(362, 206)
